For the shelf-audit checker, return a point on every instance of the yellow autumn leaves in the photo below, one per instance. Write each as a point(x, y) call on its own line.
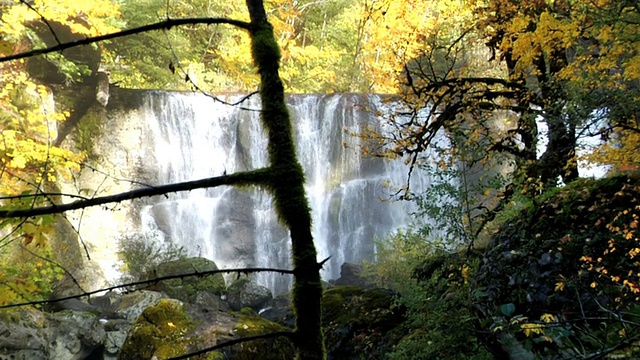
point(83, 17)
point(28, 123)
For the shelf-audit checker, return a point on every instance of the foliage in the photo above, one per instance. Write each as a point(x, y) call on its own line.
point(433, 286)
point(360, 323)
point(29, 121)
point(497, 79)
point(26, 273)
point(317, 40)
point(141, 255)
point(560, 276)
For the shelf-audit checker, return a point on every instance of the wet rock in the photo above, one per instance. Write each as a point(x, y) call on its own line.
point(246, 293)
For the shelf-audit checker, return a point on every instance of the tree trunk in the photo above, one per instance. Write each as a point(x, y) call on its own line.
point(287, 187)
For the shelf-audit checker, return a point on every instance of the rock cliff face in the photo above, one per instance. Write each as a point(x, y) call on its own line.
point(152, 138)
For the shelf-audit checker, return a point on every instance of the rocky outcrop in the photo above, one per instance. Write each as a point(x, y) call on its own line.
point(74, 335)
point(171, 328)
point(142, 324)
point(360, 323)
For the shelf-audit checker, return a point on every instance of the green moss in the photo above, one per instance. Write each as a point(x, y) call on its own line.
point(158, 331)
point(268, 349)
point(248, 311)
point(264, 48)
point(287, 186)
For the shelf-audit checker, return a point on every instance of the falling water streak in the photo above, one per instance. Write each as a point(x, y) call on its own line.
point(193, 137)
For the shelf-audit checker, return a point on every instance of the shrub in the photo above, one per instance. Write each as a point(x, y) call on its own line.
point(140, 254)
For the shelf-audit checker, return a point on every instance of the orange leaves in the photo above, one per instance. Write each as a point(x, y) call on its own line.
point(618, 262)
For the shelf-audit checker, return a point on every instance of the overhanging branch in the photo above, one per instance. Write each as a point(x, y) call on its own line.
point(253, 177)
point(162, 25)
point(150, 281)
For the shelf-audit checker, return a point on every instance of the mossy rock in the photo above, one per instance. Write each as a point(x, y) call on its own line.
point(567, 254)
point(159, 332)
point(187, 288)
point(244, 293)
point(359, 323)
point(170, 329)
point(279, 348)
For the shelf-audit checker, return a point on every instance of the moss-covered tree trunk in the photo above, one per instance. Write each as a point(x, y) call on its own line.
point(287, 187)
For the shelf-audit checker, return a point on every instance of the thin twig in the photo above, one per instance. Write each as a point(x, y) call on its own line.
point(56, 264)
point(146, 282)
point(166, 24)
point(44, 20)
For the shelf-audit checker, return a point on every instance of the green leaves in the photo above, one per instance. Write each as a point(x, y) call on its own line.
point(507, 309)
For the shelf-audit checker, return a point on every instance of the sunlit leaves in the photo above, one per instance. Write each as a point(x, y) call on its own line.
point(401, 31)
point(88, 18)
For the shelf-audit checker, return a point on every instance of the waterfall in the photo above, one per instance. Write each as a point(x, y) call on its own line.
point(192, 137)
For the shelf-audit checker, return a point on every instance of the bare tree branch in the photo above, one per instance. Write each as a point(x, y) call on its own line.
point(150, 281)
point(253, 177)
point(166, 24)
point(44, 20)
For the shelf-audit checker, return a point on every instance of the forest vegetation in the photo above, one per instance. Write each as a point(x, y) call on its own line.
point(514, 86)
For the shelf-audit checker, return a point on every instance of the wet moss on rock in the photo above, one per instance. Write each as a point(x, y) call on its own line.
point(159, 331)
point(279, 348)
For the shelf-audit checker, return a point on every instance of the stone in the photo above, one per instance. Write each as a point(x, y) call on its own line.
point(211, 301)
point(74, 334)
point(186, 288)
point(351, 274)
point(130, 306)
point(245, 293)
point(171, 329)
point(279, 310)
point(538, 263)
point(22, 335)
point(359, 323)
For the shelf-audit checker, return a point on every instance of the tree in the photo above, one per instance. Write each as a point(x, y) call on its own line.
point(504, 74)
point(29, 123)
point(283, 178)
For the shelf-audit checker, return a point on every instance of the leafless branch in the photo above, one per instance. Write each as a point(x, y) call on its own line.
point(200, 90)
point(44, 20)
point(24, 196)
point(253, 177)
point(166, 24)
point(150, 281)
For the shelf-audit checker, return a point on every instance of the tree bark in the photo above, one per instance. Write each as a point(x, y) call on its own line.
point(287, 187)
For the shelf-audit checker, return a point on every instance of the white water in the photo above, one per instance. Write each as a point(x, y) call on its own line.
point(191, 137)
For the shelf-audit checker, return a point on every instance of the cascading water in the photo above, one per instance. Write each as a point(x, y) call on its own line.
point(193, 137)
